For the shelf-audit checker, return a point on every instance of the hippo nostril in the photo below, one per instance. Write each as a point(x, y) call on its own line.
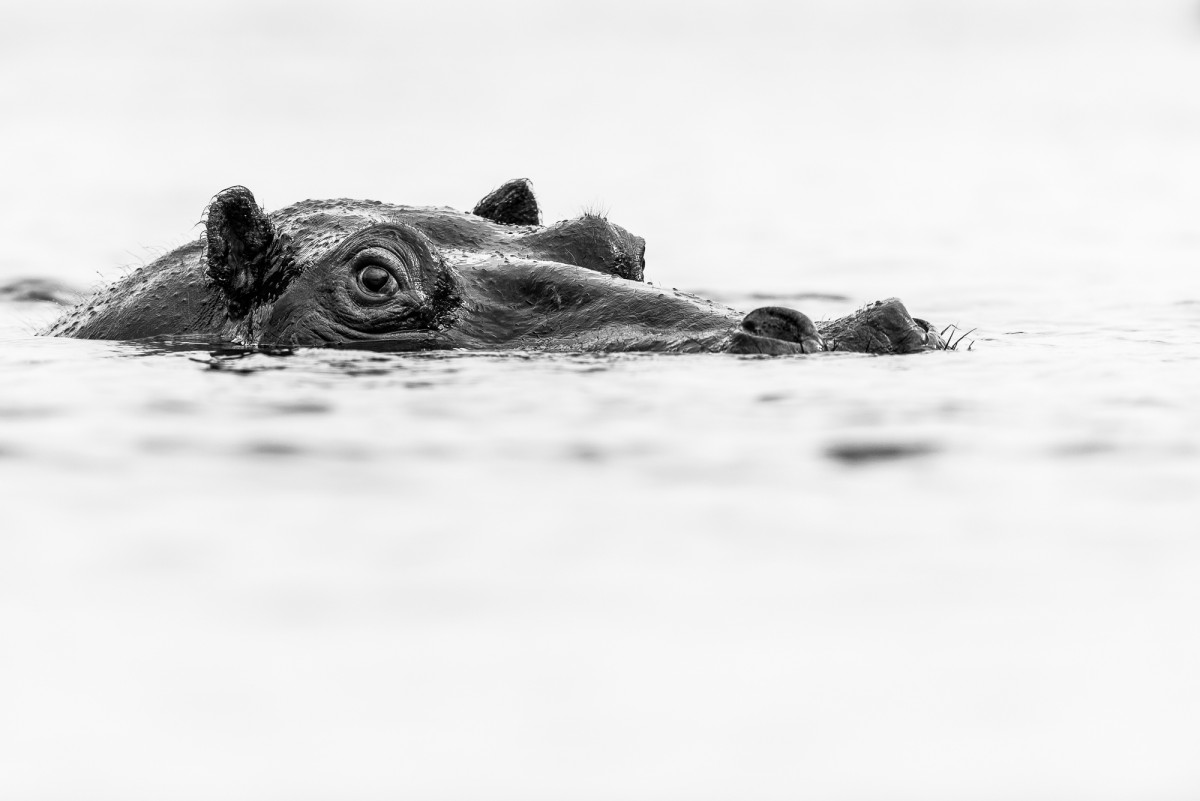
point(782, 323)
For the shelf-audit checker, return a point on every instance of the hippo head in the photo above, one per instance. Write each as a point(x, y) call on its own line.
point(366, 274)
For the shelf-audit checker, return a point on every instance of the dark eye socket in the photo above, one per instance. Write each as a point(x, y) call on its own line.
point(376, 280)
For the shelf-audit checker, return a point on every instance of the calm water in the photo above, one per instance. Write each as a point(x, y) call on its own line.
point(366, 576)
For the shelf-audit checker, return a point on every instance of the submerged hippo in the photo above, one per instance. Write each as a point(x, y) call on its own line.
point(358, 273)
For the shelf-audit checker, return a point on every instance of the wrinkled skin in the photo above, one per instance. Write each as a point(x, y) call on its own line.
point(349, 273)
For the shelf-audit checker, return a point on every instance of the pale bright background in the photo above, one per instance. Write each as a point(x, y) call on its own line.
point(751, 143)
point(369, 577)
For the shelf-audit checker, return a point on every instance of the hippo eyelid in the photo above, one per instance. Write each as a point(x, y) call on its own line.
point(404, 251)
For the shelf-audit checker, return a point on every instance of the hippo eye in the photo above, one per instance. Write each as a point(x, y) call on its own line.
point(376, 280)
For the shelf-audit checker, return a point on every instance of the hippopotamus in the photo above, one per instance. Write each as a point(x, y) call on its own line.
point(366, 274)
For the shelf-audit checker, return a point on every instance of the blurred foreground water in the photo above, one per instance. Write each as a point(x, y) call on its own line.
point(366, 576)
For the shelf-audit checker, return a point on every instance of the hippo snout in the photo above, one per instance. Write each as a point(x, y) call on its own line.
point(776, 329)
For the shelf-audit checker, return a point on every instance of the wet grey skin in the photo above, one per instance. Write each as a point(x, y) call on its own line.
point(365, 274)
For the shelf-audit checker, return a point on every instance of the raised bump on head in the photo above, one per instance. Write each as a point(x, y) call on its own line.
point(511, 204)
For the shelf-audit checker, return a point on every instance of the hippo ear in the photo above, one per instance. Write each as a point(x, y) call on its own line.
point(511, 204)
point(247, 260)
